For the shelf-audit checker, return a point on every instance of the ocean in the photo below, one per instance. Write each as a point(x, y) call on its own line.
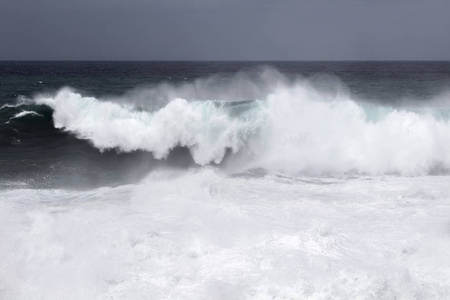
point(224, 180)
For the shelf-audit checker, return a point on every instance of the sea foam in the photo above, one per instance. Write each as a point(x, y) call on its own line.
point(202, 235)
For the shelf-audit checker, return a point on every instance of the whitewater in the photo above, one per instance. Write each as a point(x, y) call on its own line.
point(254, 187)
point(203, 235)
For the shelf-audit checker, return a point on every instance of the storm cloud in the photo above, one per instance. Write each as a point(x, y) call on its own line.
point(224, 30)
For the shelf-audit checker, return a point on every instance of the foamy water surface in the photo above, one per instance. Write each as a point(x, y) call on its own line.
point(203, 235)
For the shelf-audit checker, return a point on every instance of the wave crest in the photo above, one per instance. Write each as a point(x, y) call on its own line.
point(206, 128)
point(293, 128)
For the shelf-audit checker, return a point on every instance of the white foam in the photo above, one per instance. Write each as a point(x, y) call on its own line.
point(201, 235)
point(201, 126)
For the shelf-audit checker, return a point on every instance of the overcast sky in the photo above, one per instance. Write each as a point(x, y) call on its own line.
point(225, 30)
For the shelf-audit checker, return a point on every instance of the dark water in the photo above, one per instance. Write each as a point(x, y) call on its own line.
point(34, 152)
point(381, 80)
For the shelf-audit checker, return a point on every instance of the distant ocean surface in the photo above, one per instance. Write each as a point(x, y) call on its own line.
point(224, 180)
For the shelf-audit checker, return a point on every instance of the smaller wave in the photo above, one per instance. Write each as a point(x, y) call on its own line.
point(25, 124)
point(26, 113)
point(9, 106)
point(20, 101)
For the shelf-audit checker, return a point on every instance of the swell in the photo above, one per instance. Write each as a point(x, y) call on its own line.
point(290, 127)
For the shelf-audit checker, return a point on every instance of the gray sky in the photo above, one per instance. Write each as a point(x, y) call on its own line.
point(225, 30)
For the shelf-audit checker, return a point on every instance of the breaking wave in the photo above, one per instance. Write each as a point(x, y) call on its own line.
point(288, 126)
